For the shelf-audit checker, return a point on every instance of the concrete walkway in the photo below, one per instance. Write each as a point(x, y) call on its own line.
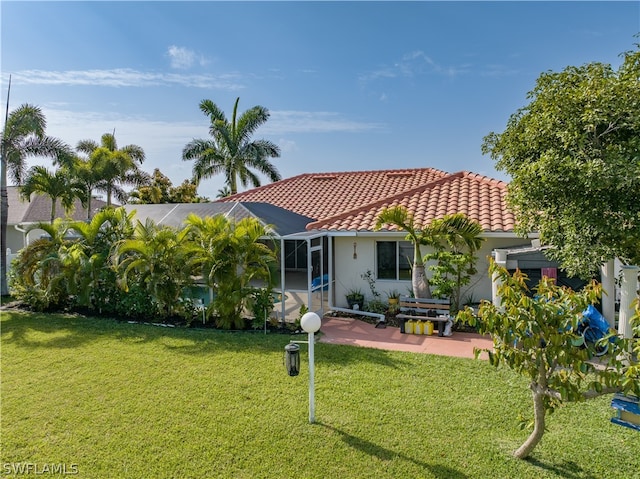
point(358, 333)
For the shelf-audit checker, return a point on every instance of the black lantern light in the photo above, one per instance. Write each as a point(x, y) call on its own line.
point(292, 359)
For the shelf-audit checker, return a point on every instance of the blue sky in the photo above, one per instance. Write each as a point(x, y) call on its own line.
point(350, 85)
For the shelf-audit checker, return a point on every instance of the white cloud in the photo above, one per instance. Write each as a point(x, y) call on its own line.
point(162, 142)
point(126, 77)
point(181, 58)
point(411, 64)
point(287, 146)
point(314, 122)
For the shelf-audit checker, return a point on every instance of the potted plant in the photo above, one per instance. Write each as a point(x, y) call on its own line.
point(355, 299)
point(393, 297)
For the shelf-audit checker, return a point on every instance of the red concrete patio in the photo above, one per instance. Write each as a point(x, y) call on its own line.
point(359, 333)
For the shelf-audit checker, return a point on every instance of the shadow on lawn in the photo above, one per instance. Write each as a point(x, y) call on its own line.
point(384, 454)
point(566, 469)
point(60, 331)
point(65, 331)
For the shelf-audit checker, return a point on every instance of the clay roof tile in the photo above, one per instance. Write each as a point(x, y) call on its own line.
point(343, 201)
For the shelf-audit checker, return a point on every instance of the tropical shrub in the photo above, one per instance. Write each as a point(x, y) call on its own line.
point(38, 275)
point(376, 306)
point(230, 257)
point(91, 276)
point(109, 267)
point(261, 304)
point(156, 260)
point(135, 303)
point(455, 239)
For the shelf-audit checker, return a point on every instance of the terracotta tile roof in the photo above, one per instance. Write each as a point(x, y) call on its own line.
point(479, 197)
point(351, 201)
point(324, 195)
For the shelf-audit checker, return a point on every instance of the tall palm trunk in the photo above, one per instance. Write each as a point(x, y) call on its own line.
point(419, 281)
point(4, 205)
point(4, 218)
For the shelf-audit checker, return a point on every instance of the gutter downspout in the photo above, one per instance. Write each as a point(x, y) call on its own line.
point(282, 279)
point(24, 235)
point(332, 307)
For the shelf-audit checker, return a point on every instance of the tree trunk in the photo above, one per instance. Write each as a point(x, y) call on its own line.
point(4, 218)
point(538, 428)
point(89, 207)
point(419, 282)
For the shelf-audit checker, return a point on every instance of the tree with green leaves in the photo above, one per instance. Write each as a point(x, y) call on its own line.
point(58, 185)
point(39, 274)
point(456, 239)
point(115, 167)
point(186, 192)
point(156, 259)
point(231, 151)
point(160, 189)
point(573, 154)
point(155, 191)
point(90, 277)
point(402, 219)
point(230, 256)
point(86, 172)
point(536, 337)
point(23, 136)
point(223, 192)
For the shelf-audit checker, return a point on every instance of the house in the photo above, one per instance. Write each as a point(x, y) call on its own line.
point(23, 213)
point(340, 241)
point(325, 225)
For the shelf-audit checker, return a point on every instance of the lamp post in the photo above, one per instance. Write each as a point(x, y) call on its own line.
point(310, 323)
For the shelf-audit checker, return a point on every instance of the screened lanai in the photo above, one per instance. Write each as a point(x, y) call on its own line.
point(297, 269)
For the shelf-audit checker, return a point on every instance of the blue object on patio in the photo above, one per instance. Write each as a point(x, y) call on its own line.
point(319, 282)
point(594, 328)
point(627, 411)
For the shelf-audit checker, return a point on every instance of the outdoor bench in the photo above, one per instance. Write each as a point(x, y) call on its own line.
point(422, 309)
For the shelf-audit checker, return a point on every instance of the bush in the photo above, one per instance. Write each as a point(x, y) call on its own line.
point(261, 305)
point(376, 306)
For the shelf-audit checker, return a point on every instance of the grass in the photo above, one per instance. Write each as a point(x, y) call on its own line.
point(134, 401)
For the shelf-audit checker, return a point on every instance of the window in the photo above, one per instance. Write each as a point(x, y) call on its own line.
point(393, 260)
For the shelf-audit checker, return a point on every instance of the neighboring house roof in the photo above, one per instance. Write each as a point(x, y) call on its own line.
point(282, 221)
point(351, 201)
point(38, 208)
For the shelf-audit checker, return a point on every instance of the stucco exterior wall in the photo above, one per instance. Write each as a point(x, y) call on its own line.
point(348, 270)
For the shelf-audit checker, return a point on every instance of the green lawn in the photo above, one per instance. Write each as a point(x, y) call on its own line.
point(118, 400)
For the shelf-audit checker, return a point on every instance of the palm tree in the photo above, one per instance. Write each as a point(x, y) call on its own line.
point(41, 272)
point(229, 256)
point(86, 172)
point(23, 135)
point(58, 185)
point(231, 150)
point(461, 235)
point(459, 232)
point(91, 278)
point(114, 166)
point(224, 192)
point(402, 219)
point(156, 258)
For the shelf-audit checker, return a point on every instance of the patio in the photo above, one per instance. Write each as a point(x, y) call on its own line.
point(359, 333)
